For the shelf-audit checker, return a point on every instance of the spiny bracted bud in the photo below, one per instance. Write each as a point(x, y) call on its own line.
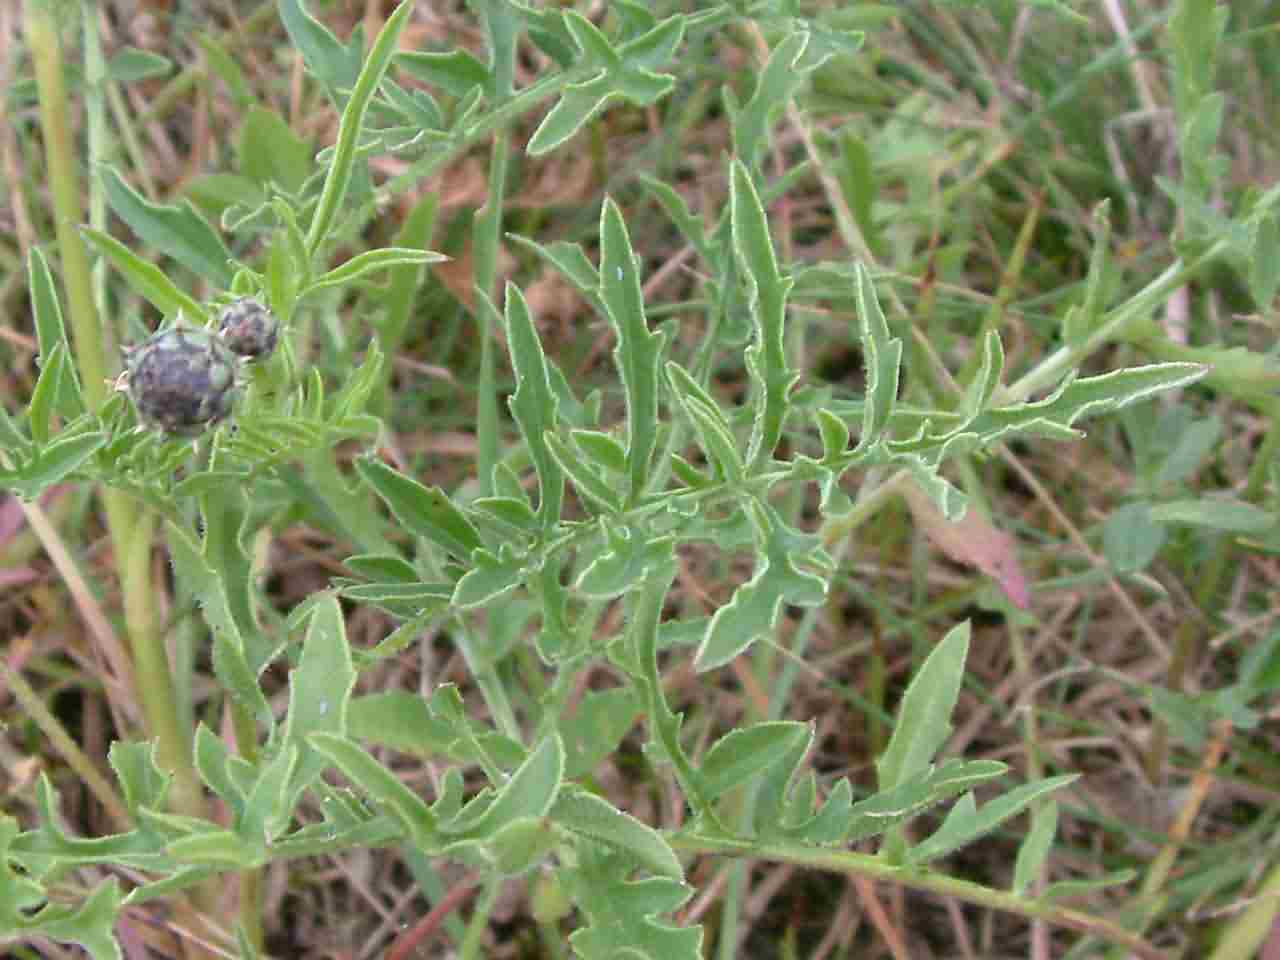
point(249, 329)
point(182, 380)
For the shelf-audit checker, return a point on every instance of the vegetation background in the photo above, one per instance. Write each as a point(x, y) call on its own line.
point(1120, 586)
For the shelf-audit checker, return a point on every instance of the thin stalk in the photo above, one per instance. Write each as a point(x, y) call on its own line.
point(336, 181)
point(64, 185)
point(132, 145)
point(129, 525)
point(1030, 726)
point(1035, 768)
point(485, 254)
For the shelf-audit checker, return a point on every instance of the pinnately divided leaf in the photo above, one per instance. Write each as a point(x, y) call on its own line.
point(381, 259)
point(632, 554)
point(753, 611)
point(529, 792)
point(965, 822)
point(620, 72)
point(534, 404)
point(883, 356)
point(380, 783)
point(332, 63)
point(767, 297)
point(624, 915)
point(230, 657)
point(90, 924)
point(491, 576)
point(781, 77)
point(709, 423)
point(638, 353)
point(743, 753)
point(1078, 398)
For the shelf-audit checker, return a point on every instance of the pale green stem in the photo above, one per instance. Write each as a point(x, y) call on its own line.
point(837, 528)
point(874, 868)
point(130, 526)
point(1053, 367)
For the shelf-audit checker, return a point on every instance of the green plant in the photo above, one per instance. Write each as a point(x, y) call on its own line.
point(625, 486)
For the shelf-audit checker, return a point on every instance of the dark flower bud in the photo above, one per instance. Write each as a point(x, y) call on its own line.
point(182, 380)
point(249, 329)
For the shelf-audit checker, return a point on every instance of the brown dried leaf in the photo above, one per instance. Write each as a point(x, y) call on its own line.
point(973, 541)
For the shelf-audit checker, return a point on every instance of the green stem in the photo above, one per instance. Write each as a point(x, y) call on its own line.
point(486, 242)
point(874, 868)
point(837, 528)
point(1051, 369)
point(95, 76)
